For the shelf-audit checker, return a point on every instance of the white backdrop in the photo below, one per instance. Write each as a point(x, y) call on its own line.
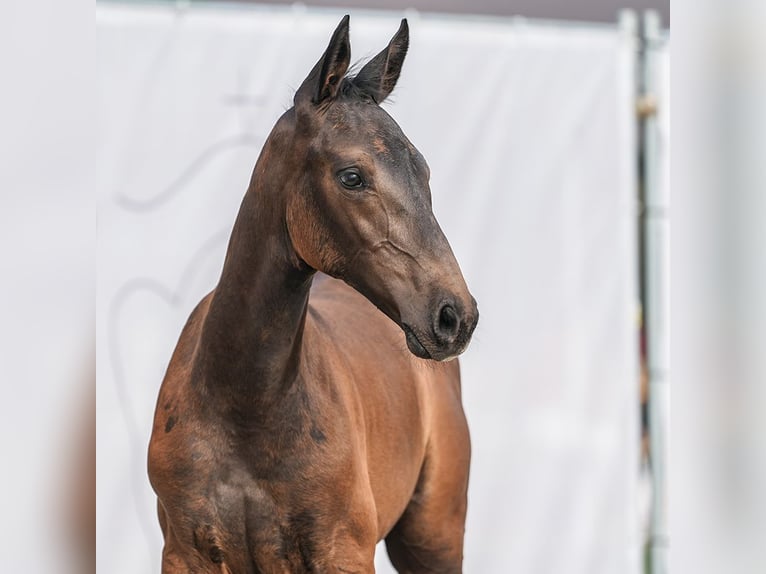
point(528, 129)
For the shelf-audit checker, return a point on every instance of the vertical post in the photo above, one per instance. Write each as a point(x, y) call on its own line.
point(629, 70)
point(656, 234)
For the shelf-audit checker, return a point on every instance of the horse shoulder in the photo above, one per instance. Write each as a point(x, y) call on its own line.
point(173, 410)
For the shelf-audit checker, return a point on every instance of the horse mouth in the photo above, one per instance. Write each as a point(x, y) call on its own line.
point(414, 344)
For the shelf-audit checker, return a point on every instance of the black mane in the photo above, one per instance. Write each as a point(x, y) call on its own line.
point(355, 88)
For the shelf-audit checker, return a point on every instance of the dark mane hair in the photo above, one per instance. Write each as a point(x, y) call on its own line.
point(362, 83)
point(352, 89)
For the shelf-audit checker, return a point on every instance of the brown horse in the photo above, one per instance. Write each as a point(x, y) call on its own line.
point(293, 430)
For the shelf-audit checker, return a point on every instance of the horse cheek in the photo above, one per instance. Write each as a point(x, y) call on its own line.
point(310, 238)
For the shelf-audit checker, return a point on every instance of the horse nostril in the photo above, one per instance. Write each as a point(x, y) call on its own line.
point(449, 324)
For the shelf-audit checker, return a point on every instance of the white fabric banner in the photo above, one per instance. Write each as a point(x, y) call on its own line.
point(529, 131)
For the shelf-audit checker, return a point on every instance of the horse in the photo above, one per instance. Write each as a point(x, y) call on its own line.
point(312, 406)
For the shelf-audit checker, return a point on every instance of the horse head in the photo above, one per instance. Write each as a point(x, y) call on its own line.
point(360, 206)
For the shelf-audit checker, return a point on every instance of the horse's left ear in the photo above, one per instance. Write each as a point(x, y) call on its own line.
point(324, 80)
point(379, 76)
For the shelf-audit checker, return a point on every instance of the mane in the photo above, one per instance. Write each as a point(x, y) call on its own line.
point(351, 89)
point(355, 88)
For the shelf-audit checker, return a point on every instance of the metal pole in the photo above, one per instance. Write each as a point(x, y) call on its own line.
point(656, 289)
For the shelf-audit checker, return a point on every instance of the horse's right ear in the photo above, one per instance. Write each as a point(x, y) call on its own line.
point(325, 78)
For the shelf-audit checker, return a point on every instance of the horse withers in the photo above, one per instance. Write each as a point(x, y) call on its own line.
point(293, 429)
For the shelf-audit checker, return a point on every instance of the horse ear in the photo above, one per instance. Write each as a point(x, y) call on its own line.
point(378, 77)
point(323, 82)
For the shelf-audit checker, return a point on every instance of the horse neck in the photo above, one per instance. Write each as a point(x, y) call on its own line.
point(249, 349)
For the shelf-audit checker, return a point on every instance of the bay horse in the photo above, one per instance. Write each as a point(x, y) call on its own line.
point(293, 429)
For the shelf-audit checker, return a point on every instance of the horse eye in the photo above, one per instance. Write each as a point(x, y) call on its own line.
point(350, 179)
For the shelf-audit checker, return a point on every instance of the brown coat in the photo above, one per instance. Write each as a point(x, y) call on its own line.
point(295, 426)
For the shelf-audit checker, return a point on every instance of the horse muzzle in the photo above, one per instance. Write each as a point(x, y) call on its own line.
point(447, 336)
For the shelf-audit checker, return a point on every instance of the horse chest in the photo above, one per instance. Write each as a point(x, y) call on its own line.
point(250, 527)
point(267, 510)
